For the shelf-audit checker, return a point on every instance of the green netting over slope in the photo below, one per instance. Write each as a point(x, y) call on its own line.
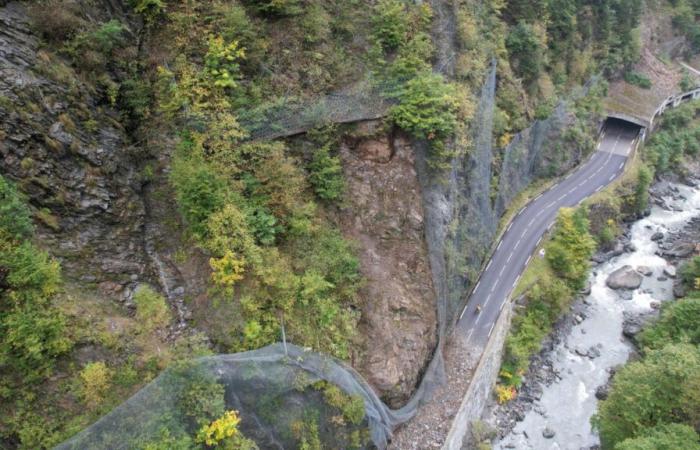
point(281, 393)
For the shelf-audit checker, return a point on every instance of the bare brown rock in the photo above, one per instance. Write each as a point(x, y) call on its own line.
point(384, 215)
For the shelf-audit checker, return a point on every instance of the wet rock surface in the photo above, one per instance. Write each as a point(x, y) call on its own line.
point(624, 278)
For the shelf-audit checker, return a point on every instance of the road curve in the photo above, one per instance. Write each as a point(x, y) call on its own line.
point(525, 231)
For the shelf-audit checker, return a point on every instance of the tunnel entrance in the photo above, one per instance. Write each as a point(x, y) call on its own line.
point(617, 135)
point(622, 126)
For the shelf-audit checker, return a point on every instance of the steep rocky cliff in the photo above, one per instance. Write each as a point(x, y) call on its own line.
point(72, 158)
point(384, 215)
point(422, 235)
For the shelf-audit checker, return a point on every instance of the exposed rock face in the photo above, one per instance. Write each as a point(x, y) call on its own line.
point(624, 278)
point(78, 177)
point(385, 216)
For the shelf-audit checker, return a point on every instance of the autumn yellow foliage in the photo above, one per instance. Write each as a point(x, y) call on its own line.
point(222, 428)
point(227, 270)
point(504, 393)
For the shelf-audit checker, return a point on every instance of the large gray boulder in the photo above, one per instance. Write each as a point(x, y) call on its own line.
point(680, 250)
point(624, 278)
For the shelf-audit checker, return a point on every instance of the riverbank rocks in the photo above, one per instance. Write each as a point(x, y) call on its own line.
point(624, 278)
point(657, 236)
point(681, 250)
point(670, 271)
point(548, 433)
point(601, 392)
point(645, 270)
point(632, 325)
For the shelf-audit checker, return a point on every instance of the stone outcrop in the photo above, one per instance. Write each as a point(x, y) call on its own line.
point(384, 215)
point(71, 157)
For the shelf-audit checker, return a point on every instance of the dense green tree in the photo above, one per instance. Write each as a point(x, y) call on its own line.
point(390, 23)
point(661, 388)
point(32, 332)
point(526, 51)
point(690, 273)
point(15, 220)
point(200, 192)
point(663, 437)
point(679, 322)
point(641, 191)
point(571, 247)
point(326, 174)
point(427, 107)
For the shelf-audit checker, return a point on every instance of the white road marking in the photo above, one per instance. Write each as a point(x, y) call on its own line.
point(561, 198)
point(462, 315)
point(538, 241)
point(508, 229)
point(491, 329)
point(528, 260)
point(598, 188)
point(499, 245)
point(598, 148)
point(611, 177)
point(487, 300)
point(621, 164)
point(537, 198)
point(488, 265)
point(531, 222)
point(551, 204)
point(477, 285)
point(470, 334)
point(501, 272)
point(521, 211)
point(509, 257)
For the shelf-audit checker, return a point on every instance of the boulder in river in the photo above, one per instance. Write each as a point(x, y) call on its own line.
point(631, 326)
point(586, 289)
point(679, 290)
point(645, 270)
point(680, 250)
point(601, 392)
point(670, 271)
point(624, 278)
point(657, 236)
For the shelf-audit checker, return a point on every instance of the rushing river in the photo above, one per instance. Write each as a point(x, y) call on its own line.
point(567, 404)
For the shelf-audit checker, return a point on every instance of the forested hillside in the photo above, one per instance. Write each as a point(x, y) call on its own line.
point(147, 218)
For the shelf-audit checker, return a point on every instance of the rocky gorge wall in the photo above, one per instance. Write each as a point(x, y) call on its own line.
point(72, 159)
point(462, 211)
point(423, 235)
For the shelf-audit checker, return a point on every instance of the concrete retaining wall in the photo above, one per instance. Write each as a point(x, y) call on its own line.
point(482, 383)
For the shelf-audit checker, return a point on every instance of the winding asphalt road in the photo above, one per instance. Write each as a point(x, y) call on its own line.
point(525, 231)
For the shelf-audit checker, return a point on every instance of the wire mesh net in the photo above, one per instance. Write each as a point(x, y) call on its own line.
point(288, 116)
point(281, 393)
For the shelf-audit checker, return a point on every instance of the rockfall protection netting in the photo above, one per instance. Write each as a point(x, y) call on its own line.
point(275, 390)
point(289, 116)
